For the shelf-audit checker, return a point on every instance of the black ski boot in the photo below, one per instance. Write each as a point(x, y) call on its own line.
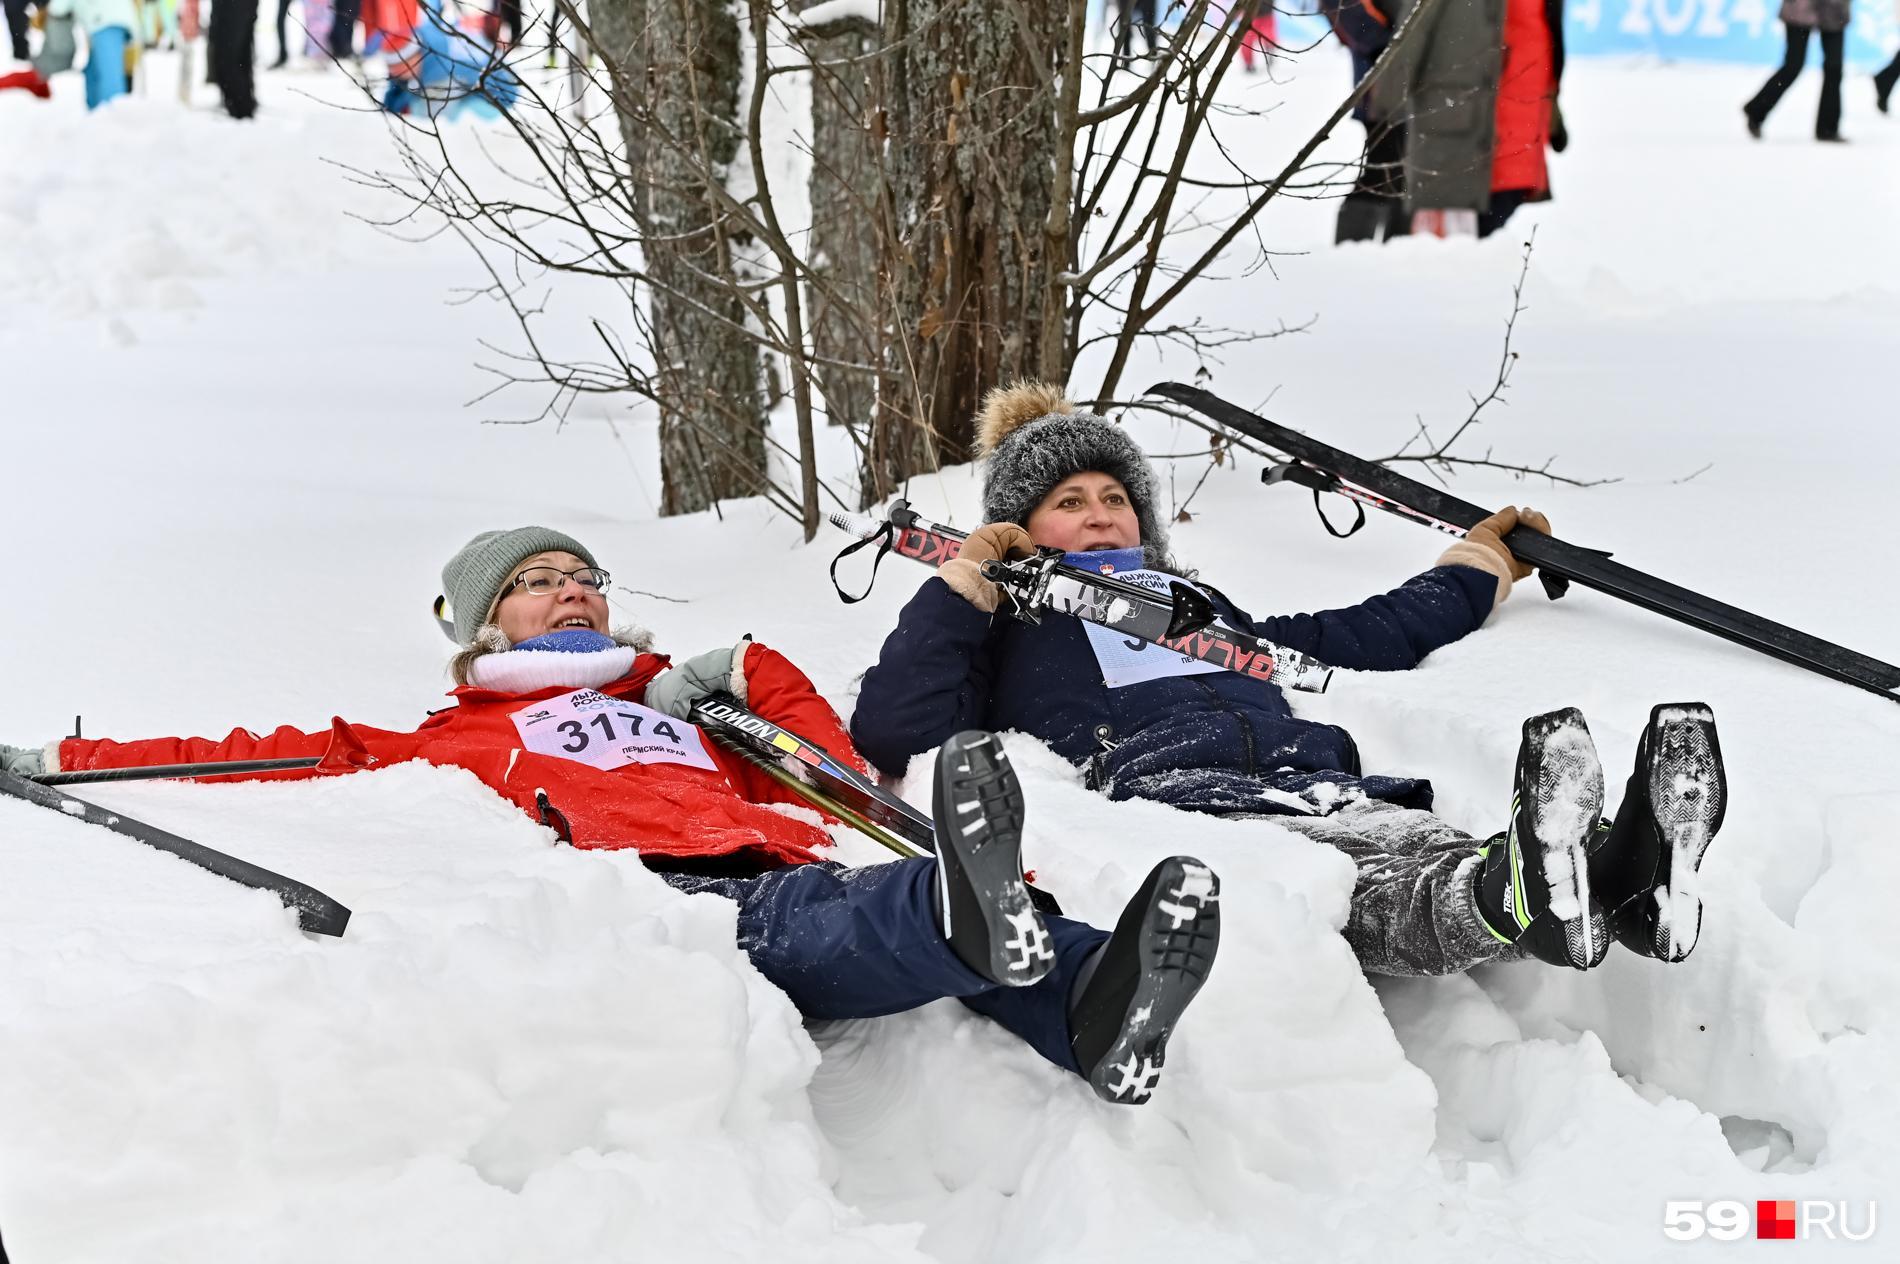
point(1644, 870)
point(1128, 997)
point(1534, 886)
point(982, 901)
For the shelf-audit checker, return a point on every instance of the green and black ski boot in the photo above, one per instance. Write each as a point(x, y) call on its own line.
point(1534, 886)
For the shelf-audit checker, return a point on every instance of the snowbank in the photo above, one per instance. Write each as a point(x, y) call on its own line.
point(235, 458)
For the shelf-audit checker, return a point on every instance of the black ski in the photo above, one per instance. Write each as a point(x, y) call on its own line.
point(809, 770)
point(838, 787)
point(1184, 621)
point(316, 912)
point(1325, 468)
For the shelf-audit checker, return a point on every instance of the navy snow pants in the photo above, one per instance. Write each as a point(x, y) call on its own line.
point(858, 943)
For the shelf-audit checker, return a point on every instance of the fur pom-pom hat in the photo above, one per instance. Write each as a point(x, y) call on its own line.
point(1032, 436)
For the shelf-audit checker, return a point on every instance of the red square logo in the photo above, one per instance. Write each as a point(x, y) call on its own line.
point(1774, 1219)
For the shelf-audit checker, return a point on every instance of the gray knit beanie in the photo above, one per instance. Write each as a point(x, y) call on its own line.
point(1033, 438)
point(474, 577)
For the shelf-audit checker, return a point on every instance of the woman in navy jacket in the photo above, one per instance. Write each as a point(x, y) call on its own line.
point(1149, 724)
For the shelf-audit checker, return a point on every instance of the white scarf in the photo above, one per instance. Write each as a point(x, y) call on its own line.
point(524, 671)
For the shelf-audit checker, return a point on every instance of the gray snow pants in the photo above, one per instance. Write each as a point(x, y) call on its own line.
point(1414, 905)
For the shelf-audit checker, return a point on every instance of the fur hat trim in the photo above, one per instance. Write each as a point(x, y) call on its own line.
point(1006, 409)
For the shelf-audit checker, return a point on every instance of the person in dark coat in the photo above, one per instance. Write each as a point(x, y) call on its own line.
point(1886, 78)
point(1476, 91)
point(1149, 724)
point(232, 56)
point(1375, 208)
point(1802, 19)
point(17, 26)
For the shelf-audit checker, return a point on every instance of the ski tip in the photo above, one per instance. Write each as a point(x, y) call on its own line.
point(318, 914)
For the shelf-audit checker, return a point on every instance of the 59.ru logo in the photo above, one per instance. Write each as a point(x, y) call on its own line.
point(1726, 1220)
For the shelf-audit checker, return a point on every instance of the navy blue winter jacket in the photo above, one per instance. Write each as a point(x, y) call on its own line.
point(1218, 742)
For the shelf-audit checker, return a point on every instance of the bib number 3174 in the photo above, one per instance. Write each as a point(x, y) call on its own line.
point(606, 733)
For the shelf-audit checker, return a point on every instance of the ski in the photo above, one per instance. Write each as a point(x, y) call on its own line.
point(1324, 468)
point(1184, 621)
point(316, 912)
point(810, 771)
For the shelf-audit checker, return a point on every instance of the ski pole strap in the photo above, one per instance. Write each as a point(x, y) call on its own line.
point(1333, 531)
point(1319, 481)
point(883, 539)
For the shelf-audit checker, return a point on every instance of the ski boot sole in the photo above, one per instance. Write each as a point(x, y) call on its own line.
point(1688, 793)
point(1153, 965)
point(979, 818)
point(1564, 779)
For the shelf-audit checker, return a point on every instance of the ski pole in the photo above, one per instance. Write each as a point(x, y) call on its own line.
point(155, 772)
point(345, 753)
point(316, 912)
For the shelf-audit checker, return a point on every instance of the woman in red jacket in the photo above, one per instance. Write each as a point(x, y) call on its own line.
point(587, 730)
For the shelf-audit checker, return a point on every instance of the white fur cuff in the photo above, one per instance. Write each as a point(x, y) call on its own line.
point(735, 680)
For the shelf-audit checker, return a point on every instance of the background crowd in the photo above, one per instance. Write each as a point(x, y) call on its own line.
point(416, 53)
point(1458, 127)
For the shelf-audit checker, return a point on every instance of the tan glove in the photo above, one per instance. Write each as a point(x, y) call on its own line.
point(997, 542)
point(1483, 547)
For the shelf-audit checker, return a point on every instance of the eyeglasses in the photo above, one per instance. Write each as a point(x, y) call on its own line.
point(539, 581)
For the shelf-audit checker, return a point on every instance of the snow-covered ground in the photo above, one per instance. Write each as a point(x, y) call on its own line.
point(235, 456)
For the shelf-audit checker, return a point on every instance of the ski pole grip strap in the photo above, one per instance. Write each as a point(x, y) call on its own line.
point(1333, 531)
point(883, 540)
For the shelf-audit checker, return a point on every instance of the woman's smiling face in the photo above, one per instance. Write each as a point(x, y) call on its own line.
point(523, 615)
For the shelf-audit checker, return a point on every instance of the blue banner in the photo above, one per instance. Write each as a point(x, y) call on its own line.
point(1715, 30)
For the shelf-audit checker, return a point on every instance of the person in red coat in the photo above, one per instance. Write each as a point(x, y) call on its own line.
point(587, 729)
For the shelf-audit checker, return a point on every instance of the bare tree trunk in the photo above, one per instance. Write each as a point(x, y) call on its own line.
point(844, 210)
point(969, 96)
point(707, 371)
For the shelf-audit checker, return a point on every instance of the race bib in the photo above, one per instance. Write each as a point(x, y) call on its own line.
point(1127, 661)
point(588, 727)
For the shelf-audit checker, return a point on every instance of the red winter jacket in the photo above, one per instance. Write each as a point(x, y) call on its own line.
point(669, 809)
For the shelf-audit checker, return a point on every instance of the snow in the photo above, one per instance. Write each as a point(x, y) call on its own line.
point(236, 455)
point(838, 10)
